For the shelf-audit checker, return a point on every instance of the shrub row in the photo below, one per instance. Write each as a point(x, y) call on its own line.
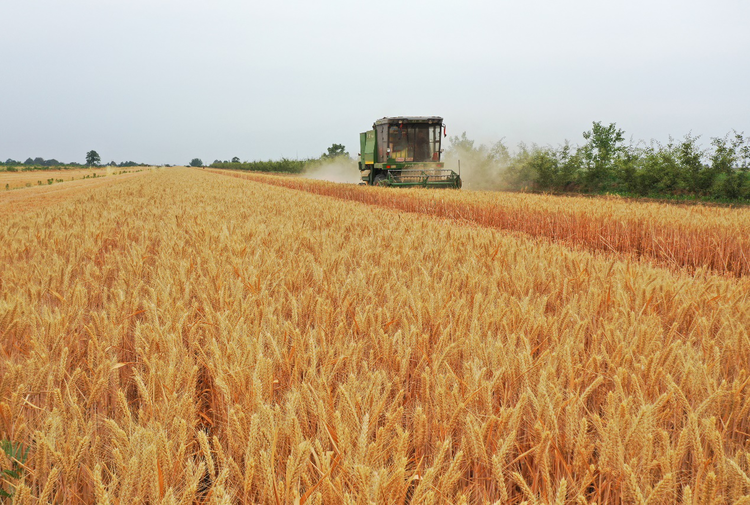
point(604, 163)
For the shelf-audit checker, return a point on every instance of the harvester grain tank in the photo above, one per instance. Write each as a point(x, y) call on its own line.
point(405, 151)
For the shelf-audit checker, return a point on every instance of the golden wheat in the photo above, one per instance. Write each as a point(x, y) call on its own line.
point(690, 236)
point(182, 337)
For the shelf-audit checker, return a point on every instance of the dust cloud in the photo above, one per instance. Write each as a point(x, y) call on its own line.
point(340, 169)
point(482, 168)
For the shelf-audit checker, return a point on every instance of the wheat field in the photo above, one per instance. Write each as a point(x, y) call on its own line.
point(185, 337)
point(679, 236)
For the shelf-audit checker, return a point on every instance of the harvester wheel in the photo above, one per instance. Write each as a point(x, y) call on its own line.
point(380, 180)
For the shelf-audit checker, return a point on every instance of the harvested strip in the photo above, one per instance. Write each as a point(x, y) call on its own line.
point(690, 237)
point(13, 180)
point(36, 197)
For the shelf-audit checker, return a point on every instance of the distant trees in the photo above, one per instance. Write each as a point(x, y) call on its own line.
point(283, 165)
point(196, 162)
point(92, 158)
point(40, 163)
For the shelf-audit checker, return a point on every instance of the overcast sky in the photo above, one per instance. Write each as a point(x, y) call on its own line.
point(165, 81)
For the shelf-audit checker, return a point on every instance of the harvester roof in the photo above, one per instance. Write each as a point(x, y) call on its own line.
point(410, 119)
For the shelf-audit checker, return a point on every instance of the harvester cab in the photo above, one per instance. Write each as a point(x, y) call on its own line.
point(405, 152)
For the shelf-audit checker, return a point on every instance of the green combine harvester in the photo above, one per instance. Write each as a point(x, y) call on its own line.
point(405, 152)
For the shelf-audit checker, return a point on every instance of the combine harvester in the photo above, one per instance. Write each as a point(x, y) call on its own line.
point(405, 152)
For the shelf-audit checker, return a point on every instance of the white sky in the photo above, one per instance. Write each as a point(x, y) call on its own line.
point(163, 81)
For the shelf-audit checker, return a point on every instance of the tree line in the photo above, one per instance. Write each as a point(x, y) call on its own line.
point(605, 163)
point(284, 165)
point(92, 160)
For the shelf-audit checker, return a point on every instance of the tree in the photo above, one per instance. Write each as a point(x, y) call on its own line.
point(336, 150)
point(728, 152)
point(92, 158)
point(196, 162)
point(690, 156)
point(600, 153)
point(235, 160)
point(462, 144)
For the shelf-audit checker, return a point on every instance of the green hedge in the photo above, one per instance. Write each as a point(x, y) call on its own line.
point(282, 165)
